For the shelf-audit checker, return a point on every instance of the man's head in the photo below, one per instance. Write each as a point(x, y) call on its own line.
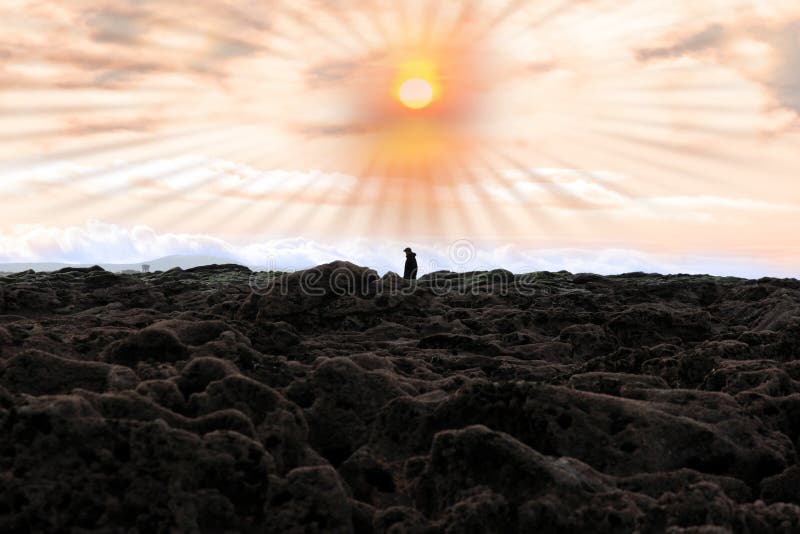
point(407, 250)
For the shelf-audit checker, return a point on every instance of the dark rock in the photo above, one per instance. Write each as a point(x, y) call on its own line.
point(587, 340)
point(477, 457)
point(164, 393)
point(310, 291)
point(150, 344)
point(401, 519)
point(274, 337)
point(484, 511)
point(347, 400)
point(650, 324)
point(200, 372)
point(311, 500)
point(458, 343)
point(551, 351)
point(215, 268)
point(38, 373)
point(369, 479)
point(563, 422)
point(784, 487)
point(614, 383)
point(656, 485)
point(193, 332)
point(331, 400)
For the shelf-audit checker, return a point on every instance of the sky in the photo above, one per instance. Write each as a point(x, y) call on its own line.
point(586, 135)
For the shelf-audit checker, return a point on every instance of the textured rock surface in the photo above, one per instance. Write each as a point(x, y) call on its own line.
point(332, 400)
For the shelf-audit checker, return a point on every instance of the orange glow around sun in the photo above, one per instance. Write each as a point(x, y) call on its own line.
point(416, 111)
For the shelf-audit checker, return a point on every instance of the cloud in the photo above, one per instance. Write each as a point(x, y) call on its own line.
point(330, 73)
point(99, 242)
point(122, 44)
point(567, 189)
point(766, 52)
point(193, 177)
point(712, 36)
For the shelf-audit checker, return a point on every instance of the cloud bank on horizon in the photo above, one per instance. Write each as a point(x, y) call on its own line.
point(584, 135)
point(101, 243)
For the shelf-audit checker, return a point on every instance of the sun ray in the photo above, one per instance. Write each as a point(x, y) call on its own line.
point(504, 96)
point(180, 192)
point(288, 200)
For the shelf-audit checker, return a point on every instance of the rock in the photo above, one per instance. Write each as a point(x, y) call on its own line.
point(193, 332)
point(699, 504)
point(105, 475)
point(5, 339)
point(476, 457)
point(164, 393)
point(309, 291)
point(656, 485)
point(200, 372)
point(277, 337)
point(367, 476)
point(783, 487)
point(564, 422)
point(758, 376)
point(400, 519)
point(346, 401)
point(390, 283)
point(614, 383)
point(587, 340)
point(458, 343)
point(554, 351)
point(331, 400)
point(650, 324)
point(484, 511)
point(38, 373)
point(150, 345)
point(694, 366)
point(279, 424)
point(310, 500)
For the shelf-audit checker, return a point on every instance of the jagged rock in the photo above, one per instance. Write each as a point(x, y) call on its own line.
point(650, 324)
point(367, 476)
point(333, 400)
point(587, 340)
point(401, 519)
point(38, 373)
point(477, 457)
point(274, 337)
point(150, 344)
point(783, 487)
point(311, 500)
point(164, 393)
point(614, 383)
point(346, 401)
point(200, 372)
point(551, 351)
point(459, 343)
point(307, 292)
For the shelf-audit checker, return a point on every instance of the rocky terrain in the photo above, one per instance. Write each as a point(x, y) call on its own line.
point(214, 399)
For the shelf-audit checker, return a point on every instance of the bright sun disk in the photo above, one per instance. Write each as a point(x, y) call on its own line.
point(416, 93)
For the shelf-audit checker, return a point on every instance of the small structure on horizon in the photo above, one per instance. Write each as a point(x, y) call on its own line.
point(145, 268)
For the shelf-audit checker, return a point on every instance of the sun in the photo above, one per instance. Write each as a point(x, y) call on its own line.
point(415, 93)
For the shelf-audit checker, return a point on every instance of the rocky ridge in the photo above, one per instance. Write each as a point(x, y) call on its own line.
point(215, 399)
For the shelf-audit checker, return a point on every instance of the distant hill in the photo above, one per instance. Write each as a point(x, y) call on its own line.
point(160, 264)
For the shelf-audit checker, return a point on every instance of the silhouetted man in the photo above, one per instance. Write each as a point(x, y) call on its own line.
point(410, 272)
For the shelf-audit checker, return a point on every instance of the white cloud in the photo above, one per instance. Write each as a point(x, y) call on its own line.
point(707, 201)
point(98, 242)
point(193, 176)
point(555, 187)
